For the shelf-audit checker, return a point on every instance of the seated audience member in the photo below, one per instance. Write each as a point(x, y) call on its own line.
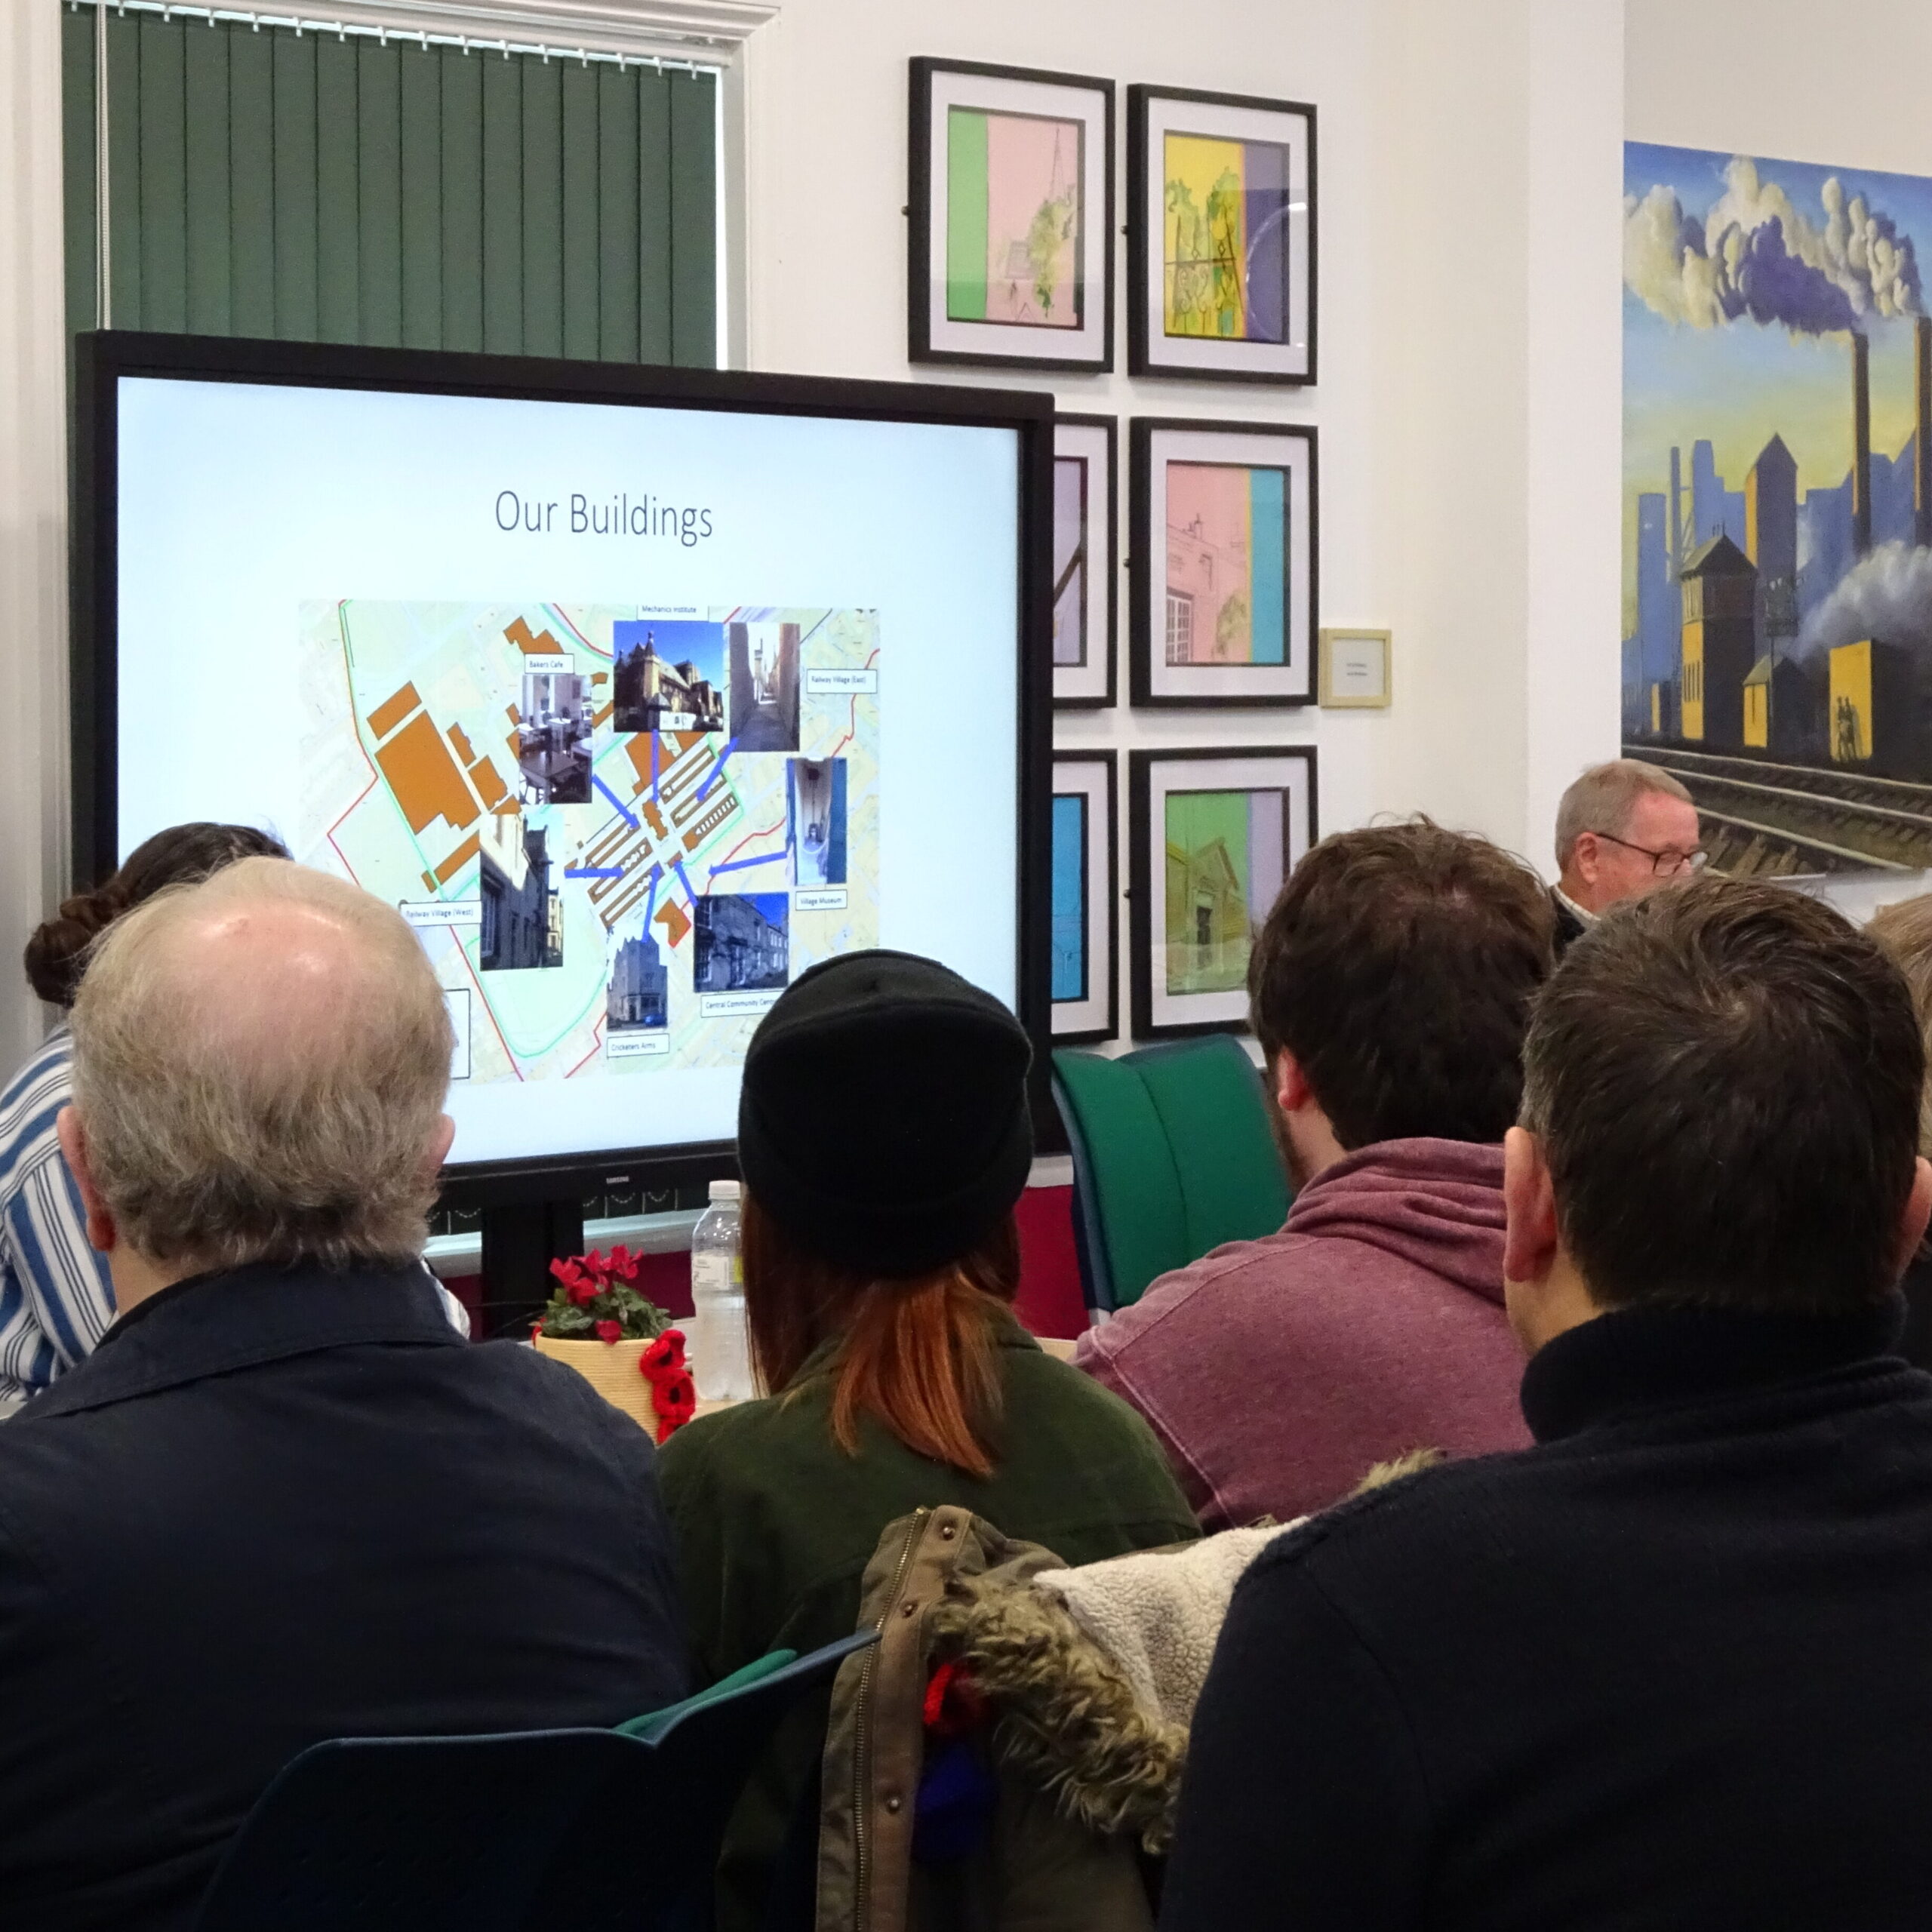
point(55, 1298)
point(283, 1501)
point(1905, 930)
point(1389, 989)
point(1668, 1668)
point(1623, 829)
point(884, 1136)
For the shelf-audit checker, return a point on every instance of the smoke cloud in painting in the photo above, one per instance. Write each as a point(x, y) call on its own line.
point(1888, 594)
point(1757, 256)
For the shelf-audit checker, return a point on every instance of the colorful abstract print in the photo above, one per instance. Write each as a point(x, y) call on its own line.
point(1069, 895)
point(1227, 584)
point(1069, 560)
point(1227, 853)
point(1225, 248)
point(1012, 220)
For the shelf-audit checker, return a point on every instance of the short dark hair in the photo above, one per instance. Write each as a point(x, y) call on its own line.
point(1725, 1079)
point(1398, 965)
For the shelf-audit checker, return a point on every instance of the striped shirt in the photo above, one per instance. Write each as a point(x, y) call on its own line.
point(56, 1299)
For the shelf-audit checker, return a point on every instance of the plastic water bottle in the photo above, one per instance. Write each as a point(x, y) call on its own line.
point(720, 1352)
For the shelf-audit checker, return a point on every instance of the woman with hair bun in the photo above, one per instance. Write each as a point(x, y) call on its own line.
point(55, 1297)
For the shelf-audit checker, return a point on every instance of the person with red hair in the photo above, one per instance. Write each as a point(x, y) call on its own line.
point(885, 1139)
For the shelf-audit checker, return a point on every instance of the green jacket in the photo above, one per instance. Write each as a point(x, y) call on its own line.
point(775, 1525)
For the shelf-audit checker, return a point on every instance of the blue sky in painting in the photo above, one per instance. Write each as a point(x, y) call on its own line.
point(1736, 384)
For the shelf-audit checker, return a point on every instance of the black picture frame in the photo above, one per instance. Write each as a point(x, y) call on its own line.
point(1076, 1033)
point(103, 358)
point(1147, 566)
point(1146, 268)
point(1152, 1020)
point(930, 338)
point(1066, 699)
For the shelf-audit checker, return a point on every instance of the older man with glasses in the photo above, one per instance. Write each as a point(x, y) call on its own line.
point(1623, 829)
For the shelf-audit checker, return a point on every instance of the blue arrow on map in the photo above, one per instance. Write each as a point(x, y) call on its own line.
point(593, 872)
point(739, 865)
point(650, 898)
point(677, 866)
point(712, 777)
point(624, 810)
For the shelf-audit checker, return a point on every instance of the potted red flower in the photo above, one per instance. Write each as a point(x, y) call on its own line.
point(621, 1343)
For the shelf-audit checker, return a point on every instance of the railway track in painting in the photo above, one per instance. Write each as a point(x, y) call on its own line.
point(1764, 820)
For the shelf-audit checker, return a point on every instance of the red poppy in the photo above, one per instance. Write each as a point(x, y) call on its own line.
point(610, 1331)
point(665, 1357)
point(677, 1396)
point(675, 1400)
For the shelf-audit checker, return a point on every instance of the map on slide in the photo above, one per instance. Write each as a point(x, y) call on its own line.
point(620, 831)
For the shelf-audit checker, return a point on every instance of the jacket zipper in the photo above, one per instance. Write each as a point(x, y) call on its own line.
point(862, 1758)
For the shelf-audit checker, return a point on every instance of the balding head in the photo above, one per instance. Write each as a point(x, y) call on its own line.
point(259, 1066)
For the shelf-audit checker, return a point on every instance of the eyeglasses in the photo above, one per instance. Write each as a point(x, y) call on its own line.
point(1665, 864)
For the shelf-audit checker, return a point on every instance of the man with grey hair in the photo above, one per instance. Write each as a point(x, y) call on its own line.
point(283, 1501)
point(1623, 829)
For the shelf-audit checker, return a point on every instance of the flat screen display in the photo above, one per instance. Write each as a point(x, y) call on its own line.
point(635, 712)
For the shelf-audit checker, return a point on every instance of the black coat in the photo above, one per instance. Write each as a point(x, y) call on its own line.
point(275, 1507)
point(1670, 1668)
point(1570, 928)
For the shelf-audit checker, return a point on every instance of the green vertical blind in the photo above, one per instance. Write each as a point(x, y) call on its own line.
point(325, 187)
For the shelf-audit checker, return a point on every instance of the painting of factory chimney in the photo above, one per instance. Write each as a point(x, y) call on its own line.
point(1777, 637)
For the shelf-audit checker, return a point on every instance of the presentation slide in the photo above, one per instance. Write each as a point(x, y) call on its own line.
point(634, 713)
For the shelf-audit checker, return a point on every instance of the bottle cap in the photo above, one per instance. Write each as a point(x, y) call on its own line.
point(724, 1190)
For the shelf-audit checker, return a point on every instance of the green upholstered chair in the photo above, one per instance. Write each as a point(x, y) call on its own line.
point(1173, 1155)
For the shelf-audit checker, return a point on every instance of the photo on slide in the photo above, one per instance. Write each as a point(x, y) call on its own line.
point(522, 916)
point(765, 685)
point(743, 941)
point(639, 997)
point(815, 820)
point(554, 729)
point(667, 675)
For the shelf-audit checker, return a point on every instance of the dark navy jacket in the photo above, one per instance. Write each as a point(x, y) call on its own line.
point(1669, 1671)
point(277, 1506)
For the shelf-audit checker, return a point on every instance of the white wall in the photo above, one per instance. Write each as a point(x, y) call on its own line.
point(1470, 168)
point(1469, 156)
point(33, 554)
point(1843, 89)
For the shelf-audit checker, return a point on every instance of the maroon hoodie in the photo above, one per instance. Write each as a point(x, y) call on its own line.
point(1275, 1372)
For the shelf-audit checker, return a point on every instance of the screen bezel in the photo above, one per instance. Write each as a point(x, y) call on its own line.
point(103, 357)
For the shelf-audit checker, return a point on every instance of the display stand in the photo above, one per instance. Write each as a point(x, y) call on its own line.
point(520, 1241)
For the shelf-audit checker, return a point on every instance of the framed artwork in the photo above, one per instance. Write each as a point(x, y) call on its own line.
point(1357, 670)
point(1011, 216)
point(1220, 242)
point(1086, 891)
point(1211, 836)
point(1084, 551)
point(1224, 563)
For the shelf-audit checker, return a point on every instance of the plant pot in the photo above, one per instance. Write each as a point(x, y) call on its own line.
point(611, 1369)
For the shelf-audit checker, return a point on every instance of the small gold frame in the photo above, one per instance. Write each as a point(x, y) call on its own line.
point(1351, 658)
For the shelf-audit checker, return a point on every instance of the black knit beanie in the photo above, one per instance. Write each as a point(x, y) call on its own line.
point(883, 1123)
